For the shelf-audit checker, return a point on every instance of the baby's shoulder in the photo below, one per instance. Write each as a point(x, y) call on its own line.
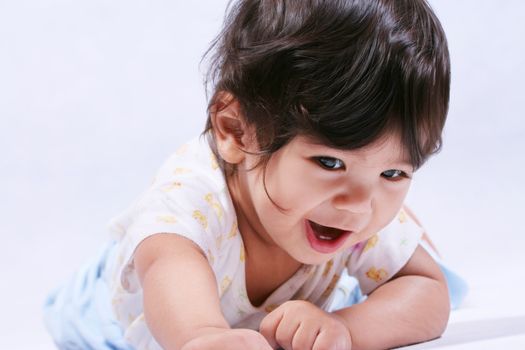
point(188, 193)
point(193, 184)
point(193, 162)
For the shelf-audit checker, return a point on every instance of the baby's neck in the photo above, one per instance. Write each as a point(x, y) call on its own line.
point(268, 266)
point(267, 271)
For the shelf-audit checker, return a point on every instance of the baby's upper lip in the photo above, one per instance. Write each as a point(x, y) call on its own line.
point(338, 228)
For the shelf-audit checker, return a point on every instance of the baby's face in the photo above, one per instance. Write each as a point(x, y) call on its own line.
point(332, 199)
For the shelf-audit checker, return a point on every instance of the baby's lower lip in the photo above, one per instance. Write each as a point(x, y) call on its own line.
point(324, 246)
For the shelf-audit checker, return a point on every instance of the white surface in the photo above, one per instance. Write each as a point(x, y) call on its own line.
point(95, 94)
point(514, 342)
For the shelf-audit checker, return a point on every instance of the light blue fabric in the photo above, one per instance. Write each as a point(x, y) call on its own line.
point(347, 293)
point(78, 315)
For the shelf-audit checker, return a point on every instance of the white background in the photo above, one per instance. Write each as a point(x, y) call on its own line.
point(95, 94)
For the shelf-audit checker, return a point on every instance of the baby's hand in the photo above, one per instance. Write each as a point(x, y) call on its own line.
point(301, 325)
point(229, 339)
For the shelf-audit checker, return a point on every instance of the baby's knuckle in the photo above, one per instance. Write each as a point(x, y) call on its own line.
point(323, 346)
point(333, 344)
point(338, 340)
point(284, 340)
point(281, 338)
point(329, 339)
point(300, 343)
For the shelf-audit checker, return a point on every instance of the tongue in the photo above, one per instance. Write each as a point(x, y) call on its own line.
point(325, 232)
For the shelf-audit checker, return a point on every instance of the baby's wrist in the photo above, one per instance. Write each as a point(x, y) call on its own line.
point(340, 319)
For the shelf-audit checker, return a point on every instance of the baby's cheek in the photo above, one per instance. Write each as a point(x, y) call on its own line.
point(382, 215)
point(387, 213)
point(389, 202)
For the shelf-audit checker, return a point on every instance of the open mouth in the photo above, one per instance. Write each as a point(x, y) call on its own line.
point(325, 239)
point(326, 233)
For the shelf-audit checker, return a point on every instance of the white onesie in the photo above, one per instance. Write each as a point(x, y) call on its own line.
point(189, 197)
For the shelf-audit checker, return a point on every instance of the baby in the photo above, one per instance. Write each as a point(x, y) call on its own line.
point(321, 111)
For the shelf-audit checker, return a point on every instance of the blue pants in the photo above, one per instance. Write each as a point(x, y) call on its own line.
point(78, 315)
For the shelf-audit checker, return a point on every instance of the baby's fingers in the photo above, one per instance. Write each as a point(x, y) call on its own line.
point(332, 340)
point(279, 330)
point(269, 325)
point(304, 337)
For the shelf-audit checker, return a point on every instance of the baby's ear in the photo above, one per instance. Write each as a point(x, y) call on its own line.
point(229, 127)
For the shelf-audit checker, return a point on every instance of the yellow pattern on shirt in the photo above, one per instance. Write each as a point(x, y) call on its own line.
point(328, 267)
point(179, 171)
point(168, 219)
point(201, 218)
point(172, 186)
point(328, 291)
point(376, 275)
point(242, 256)
point(271, 307)
point(226, 281)
point(371, 243)
point(402, 217)
point(214, 204)
point(233, 230)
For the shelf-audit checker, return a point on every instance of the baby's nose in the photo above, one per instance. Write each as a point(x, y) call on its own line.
point(357, 200)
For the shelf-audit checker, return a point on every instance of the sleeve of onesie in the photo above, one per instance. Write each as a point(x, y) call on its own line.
point(183, 200)
point(378, 259)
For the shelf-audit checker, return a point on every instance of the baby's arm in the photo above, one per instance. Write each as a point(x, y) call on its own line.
point(410, 308)
point(181, 301)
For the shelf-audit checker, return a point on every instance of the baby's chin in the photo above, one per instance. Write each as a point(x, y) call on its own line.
point(314, 258)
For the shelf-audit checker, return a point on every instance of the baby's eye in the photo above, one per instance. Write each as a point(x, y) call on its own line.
point(330, 163)
point(394, 174)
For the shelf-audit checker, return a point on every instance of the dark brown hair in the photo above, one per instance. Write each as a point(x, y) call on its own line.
point(344, 72)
